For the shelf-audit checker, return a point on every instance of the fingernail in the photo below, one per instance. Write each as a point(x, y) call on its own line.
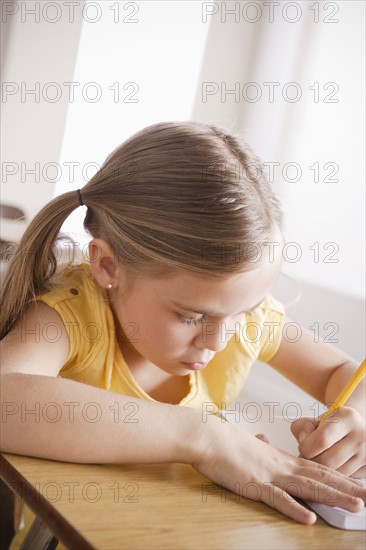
point(302, 436)
point(312, 517)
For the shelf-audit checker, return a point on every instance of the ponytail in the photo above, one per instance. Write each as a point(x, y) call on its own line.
point(34, 261)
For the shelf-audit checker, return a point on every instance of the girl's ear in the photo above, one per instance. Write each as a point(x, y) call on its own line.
point(103, 264)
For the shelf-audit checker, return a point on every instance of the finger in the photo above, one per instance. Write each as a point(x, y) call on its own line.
point(329, 493)
point(262, 437)
point(324, 475)
point(322, 439)
point(280, 500)
point(337, 455)
point(351, 467)
point(361, 472)
point(302, 428)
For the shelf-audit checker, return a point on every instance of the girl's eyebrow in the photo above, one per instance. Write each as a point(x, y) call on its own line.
point(196, 309)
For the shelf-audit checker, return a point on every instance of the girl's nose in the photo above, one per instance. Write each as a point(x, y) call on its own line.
point(215, 335)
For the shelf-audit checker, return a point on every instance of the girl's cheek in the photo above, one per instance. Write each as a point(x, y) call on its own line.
point(156, 328)
point(185, 336)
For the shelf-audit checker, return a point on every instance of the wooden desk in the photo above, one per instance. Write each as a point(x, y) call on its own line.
point(156, 506)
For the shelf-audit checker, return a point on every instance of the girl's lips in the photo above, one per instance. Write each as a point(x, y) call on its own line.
point(194, 366)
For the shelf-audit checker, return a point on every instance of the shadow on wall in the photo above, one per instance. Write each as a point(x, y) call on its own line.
point(335, 317)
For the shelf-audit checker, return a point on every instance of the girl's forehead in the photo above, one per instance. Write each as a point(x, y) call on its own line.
point(263, 272)
point(196, 293)
point(254, 282)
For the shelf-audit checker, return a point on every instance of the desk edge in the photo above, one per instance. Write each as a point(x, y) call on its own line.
point(63, 530)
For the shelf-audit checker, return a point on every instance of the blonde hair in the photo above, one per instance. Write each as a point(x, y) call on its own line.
point(176, 196)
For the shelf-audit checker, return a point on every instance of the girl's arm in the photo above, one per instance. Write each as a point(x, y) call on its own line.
point(322, 371)
point(51, 417)
point(318, 368)
point(60, 419)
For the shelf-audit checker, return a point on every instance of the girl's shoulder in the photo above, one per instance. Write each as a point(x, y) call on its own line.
point(271, 304)
point(30, 348)
point(69, 281)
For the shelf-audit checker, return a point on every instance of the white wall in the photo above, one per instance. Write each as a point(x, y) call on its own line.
point(37, 53)
point(331, 212)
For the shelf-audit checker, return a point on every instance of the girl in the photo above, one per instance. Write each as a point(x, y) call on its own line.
point(172, 308)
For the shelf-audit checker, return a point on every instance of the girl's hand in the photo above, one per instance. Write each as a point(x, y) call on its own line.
point(339, 443)
point(253, 469)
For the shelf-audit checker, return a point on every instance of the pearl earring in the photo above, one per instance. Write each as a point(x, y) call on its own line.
point(109, 286)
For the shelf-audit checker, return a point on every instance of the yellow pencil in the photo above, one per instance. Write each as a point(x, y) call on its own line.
point(347, 391)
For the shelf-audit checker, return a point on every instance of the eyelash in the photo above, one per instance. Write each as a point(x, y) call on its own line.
point(189, 320)
point(199, 320)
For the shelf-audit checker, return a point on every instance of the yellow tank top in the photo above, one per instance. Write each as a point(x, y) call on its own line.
point(95, 357)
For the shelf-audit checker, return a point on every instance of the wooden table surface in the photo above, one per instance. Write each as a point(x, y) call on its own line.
point(156, 506)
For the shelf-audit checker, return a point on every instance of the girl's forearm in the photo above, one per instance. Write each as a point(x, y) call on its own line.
point(338, 381)
point(60, 419)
